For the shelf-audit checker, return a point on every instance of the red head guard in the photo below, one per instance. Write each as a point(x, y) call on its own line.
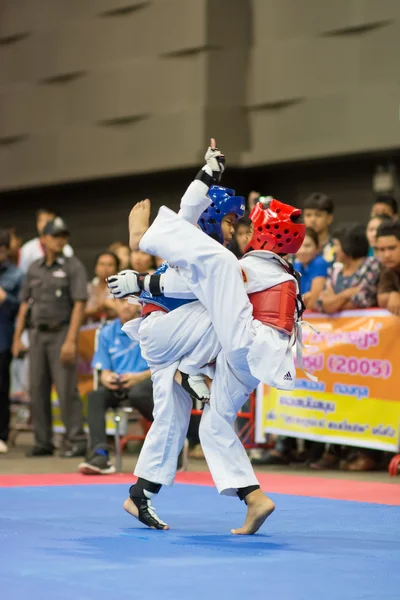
point(277, 227)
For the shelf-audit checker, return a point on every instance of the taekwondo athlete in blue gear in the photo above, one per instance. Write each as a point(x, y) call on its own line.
point(224, 201)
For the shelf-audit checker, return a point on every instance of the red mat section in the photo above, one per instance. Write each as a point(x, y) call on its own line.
point(296, 485)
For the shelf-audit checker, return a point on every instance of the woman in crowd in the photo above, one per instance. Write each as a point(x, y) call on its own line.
point(100, 304)
point(352, 283)
point(372, 228)
point(353, 280)
point(124, 254)
point(312, 267)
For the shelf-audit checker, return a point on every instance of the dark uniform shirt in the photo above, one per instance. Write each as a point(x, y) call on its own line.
point(52, 290)
point(10, 281)
point(389, 281)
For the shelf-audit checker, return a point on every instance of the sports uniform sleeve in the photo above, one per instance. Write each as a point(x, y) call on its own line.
point(78, 281)
point(321, 268)
point(194, 202)
point(101, 359)
point(174, 286)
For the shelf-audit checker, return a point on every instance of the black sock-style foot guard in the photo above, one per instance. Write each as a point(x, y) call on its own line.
point(141, 498)
point(196, 387)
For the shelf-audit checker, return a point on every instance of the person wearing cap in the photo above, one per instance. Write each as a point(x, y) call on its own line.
point(34, 248)
point(10, 284)
point(54, 293)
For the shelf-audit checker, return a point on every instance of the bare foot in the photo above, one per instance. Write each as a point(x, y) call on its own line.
point(139, 220)
point(259, 508)
point(131, 508)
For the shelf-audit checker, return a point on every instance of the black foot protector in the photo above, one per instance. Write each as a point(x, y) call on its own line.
point(243, 492)
point(195, 386)
point(141, 493)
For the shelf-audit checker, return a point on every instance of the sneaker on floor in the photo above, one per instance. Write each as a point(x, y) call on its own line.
point(98, 464)
point(183, 459)
point(3, 447)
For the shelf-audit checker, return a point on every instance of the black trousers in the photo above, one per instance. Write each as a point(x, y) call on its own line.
point(5, 361)
point(139, 396)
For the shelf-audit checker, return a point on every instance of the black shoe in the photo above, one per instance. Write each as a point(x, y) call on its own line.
point(74, 452)
point(98, 464)
point(39, 451)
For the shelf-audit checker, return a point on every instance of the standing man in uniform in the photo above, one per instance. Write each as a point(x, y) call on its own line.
point(54, 292)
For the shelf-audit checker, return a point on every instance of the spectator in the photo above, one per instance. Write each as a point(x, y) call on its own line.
point(122, 251)
point(15, 246)
point(242, 236)
point(55, 292)
point(100, 304)
point(385, 204)
point(318, 215)
point(312, 267)
point(372, 228)
point(388, 251)
point(10, 283)
point(352, 283)
point(34, 249)
point(252, 200)
point(125, 376)
point(142, 262)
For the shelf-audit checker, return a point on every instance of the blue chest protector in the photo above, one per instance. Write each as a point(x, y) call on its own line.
point(167, 303)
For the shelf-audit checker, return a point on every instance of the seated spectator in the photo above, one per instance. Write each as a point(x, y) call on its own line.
point(125, 377)
point(386, 205)
point(242, 236)
point(10, 284)
point(372, 228)
point(34, 249)
point(388, 252)
point(124, 254)
point(312, 267)
point(142, 262)
point(353, 281)
point(318, 215)
point(351, 284)
point(100, 304)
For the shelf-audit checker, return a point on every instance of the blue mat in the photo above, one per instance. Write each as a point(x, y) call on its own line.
point(76, 543)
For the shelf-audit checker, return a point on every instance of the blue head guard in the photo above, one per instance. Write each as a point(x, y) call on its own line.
point(223, 202)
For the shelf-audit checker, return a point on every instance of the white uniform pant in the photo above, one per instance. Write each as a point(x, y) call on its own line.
point(164, 339)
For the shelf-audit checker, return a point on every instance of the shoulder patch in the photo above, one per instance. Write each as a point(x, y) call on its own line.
point(244, 276)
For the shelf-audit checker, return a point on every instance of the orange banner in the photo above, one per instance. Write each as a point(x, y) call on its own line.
point(356, 398)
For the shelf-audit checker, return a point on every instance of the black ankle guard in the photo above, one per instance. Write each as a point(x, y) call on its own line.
point(243, 492)
point(146, 513)
point(143, 484)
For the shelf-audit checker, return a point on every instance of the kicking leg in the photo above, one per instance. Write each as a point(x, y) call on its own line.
point(139, 219)
point(212, 273)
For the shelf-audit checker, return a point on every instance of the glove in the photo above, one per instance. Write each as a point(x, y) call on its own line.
point(215, 160)
point(124, 284)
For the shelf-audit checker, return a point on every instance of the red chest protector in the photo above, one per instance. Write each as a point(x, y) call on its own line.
point(276, 306)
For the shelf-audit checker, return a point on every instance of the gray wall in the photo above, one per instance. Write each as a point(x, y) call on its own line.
point(103, 88)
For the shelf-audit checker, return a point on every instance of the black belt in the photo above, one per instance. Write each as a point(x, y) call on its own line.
point(50, 327)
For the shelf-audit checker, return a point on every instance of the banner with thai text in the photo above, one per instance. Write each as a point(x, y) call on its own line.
point(356, 400)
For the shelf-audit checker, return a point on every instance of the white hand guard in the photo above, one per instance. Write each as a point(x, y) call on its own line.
point(124, 284)
point(216, 161)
